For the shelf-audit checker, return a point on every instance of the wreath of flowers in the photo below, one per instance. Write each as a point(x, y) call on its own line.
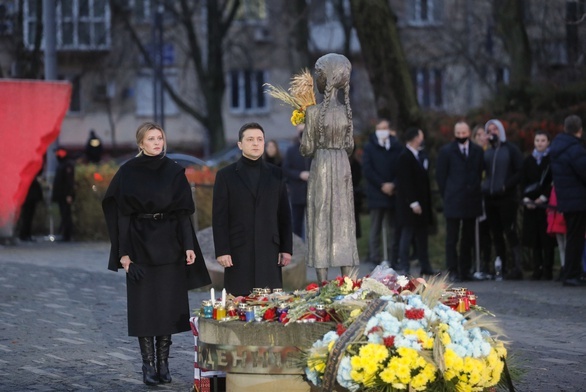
point(299, 96)
point(416, 343)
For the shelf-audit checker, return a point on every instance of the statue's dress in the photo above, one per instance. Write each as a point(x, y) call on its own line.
point(331, 238)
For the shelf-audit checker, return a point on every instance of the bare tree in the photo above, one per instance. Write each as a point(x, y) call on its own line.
point(28, 61)
point(382, 51)
point(298, 36)
point(510, 25)
point(204, 53)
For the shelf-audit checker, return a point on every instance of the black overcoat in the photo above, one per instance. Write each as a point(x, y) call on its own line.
point(459, 180)
point(293, 164)
point(379, 165)
point(535, 220)
point(158, 303)
point(253, 230)
point(413, 185)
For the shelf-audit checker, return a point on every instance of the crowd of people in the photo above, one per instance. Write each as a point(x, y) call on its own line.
point(483, 180)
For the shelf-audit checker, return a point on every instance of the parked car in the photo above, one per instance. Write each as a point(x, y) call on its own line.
point(232, 153)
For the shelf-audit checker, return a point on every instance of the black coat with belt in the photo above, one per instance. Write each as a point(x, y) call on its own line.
point(459, 180)
point(158, 302)
point(253, 230)
point(413, 185)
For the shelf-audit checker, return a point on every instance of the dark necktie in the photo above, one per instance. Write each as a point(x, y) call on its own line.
point(465, 152)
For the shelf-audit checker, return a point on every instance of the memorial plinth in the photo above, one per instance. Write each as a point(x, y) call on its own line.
point(258, 356)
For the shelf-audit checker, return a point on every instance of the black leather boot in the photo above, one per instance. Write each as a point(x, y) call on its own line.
point(163, 345)
point(147, 351)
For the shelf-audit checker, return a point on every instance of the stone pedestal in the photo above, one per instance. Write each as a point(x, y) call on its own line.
point(258, 357)
point(294, 275)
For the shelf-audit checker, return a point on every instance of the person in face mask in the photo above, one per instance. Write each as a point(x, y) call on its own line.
point(379, 167)
point(459, 175)
point(503, 162)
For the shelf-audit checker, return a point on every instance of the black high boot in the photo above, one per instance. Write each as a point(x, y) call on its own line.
point(147, 351)
point(163, 345)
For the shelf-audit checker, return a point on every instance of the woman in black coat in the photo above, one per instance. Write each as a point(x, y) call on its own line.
point(148, 207)
point(536, 184)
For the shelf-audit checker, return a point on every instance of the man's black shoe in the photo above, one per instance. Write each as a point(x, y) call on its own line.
point(574, 283)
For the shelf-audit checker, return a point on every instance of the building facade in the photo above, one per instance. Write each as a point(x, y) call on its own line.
point(457, 60)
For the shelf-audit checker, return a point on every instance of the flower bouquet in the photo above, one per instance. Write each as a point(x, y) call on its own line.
point(412, 342)
point(299, 96)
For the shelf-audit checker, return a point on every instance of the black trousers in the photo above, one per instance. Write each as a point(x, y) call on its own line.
point(27, 214)
point(66, 228)
point(501, 213)
point(410, 234)
point(576, 227)
point(459, 264)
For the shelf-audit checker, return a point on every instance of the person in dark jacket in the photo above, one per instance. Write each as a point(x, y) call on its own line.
point(503, 161)
point(27, 212)
point(63, 192)
point(459, 175)
point(414, 202)
point(296, 171)
point(379, 166)
point(251, 218)
point(93, 148)
point(536, 184)
point(568, 166)
point(148, 208)
point(273, 154)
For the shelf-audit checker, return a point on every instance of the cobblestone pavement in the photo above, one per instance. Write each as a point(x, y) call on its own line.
point(63, 325)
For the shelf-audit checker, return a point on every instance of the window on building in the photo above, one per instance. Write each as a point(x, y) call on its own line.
point(247, 91)
point(502, 76)
point(81, 24)
point(141, 11)
point(144, 93)
point(429, 87)
point(425, 12)
point(252, 11)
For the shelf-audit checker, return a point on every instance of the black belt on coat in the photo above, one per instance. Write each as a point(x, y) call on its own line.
point(156, 216)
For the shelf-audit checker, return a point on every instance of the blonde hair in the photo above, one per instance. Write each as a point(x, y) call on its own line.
point(143, 129)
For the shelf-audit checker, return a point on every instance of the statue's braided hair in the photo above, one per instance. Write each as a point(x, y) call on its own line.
point(336, 70)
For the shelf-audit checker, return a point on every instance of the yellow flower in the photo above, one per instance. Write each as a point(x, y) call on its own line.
point(297, 117)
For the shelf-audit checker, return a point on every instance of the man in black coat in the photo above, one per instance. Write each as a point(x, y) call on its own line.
point(459, 175)
point(64, 192)
point(568, 166)
point(414, 202)
point(379, 166)
point(296, 170)
point(251, 218)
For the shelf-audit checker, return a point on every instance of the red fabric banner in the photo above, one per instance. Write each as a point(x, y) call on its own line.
point(31, 113)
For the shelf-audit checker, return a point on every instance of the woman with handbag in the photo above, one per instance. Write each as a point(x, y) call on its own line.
point(148, 208)
point(536, 184)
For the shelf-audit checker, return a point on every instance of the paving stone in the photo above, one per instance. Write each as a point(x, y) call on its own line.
point(63, 325)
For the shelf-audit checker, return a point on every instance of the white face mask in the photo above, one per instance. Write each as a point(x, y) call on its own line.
point(382, 134)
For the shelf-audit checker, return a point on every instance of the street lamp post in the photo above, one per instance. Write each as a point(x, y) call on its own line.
point(157, 61)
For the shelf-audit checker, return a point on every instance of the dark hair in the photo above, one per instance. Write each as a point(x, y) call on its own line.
point(542, 132)
point(572, 124)
point(411, 133)
point(247, 126)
